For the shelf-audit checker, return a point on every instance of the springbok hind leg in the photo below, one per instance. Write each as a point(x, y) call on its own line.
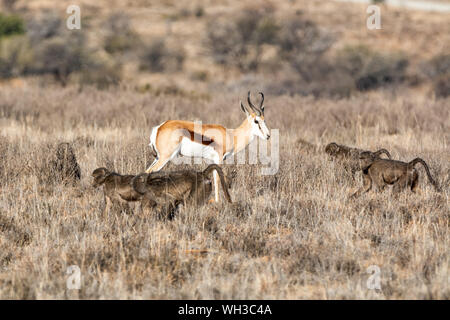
point(150, 169)
point(160, 162)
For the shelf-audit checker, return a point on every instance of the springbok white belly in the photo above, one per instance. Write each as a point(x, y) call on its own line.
point(189, 148)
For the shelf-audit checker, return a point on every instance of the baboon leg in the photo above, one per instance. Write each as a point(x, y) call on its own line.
point(173, 207)
point(216, 186)
point(414, 181)
point(167, 210)
point(401, 184)
point(126, 208)
point(148, 205)
point(107, 207)
point(379, 182)
point(367, 185)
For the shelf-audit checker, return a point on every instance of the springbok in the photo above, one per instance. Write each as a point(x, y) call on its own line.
point(208, 141)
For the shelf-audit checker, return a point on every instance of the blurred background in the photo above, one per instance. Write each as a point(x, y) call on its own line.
point(197, 48)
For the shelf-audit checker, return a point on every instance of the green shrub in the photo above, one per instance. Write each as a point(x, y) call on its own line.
point(11, 25)
point(16, 56)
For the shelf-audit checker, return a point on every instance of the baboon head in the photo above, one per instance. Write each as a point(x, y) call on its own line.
point(332, 149)
point(139, 183)
point(100, 175)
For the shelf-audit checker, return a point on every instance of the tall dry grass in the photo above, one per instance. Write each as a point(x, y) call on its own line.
point(293, 235)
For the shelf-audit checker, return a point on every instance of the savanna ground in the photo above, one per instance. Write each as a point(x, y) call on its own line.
point(292, 235)
point(296, 235)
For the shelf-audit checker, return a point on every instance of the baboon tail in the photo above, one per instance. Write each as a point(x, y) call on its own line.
point(379, 152)
point(215, 167)
point(430, 178)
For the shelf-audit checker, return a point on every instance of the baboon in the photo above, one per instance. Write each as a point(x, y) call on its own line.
point(117, 189)
point(350, 156)
point(399, 174)
point(65, 165)
point(169, 189)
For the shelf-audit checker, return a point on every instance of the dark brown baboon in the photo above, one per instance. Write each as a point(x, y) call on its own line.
point(349, 157)
point(169, 189)
point(117, 189)
point(64, 164)
point(383, 172)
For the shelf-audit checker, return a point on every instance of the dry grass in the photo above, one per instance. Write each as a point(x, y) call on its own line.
point(294, 235)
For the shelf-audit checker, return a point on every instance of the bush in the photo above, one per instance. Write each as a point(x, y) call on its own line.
point(371, 70)
point(45, 26)
point(60, 56)
point(437, 66)
point(237, 41)
point(199, 12)
point(15, 56)
point(101, 72)
point(120, 37)
point(302, 44)
point(438, 71)
point(11, 25)
point(158, 57)
point(441, 86)
point(301, 36)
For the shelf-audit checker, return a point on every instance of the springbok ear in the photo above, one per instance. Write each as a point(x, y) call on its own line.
point(243, 109)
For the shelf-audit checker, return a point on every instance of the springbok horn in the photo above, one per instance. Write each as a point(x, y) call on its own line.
point(252, 106)
point(261, 107)
point(243, 108)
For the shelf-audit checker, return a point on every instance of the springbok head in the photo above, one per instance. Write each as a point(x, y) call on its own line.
point(255, 116)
